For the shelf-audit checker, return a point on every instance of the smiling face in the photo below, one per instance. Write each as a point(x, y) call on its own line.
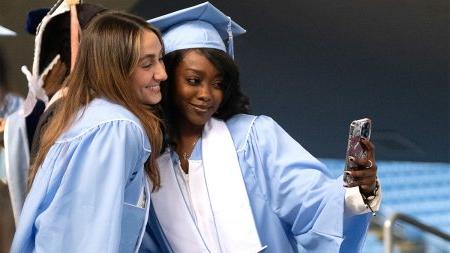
point(149, 72)
point(197, 90)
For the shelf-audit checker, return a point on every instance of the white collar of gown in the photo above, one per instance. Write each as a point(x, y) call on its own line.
point(229, 200)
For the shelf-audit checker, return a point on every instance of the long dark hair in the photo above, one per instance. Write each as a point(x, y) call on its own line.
point(234, 100)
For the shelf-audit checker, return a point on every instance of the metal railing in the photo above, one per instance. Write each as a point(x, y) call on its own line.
point(388, 231)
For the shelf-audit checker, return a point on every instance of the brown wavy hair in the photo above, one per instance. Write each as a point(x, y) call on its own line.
point(109, 52)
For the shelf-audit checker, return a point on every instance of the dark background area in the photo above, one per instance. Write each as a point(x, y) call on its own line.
point(314, 66)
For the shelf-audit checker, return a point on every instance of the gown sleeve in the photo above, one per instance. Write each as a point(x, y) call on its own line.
point(77, 199)
point(17, 160)
point(301, 192)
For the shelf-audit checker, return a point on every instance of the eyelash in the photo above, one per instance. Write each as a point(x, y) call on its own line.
point(193, 81)
point(218, 85)
point(196, 81)
point(151, 63)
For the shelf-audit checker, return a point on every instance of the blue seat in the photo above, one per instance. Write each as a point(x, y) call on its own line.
point(421, 190)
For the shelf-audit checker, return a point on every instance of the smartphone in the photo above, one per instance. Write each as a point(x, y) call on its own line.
point(358, 128)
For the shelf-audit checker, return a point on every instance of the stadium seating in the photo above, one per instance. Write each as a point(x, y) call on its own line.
point(420, 190)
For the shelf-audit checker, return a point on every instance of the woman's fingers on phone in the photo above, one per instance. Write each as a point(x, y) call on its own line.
point(369, 147)
point(364, 178)
point(362, 163)
point(360, 175)
point(367, 144)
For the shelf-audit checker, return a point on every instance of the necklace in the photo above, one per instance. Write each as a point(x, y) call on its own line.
point(187, 155)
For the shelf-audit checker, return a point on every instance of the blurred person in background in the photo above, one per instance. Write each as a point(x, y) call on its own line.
point(9, 103)
point(46, 81)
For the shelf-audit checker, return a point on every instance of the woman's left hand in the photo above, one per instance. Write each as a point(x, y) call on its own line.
point(364, 173)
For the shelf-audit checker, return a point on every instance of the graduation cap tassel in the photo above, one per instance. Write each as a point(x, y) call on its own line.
point(74, 32)
point(230, 39)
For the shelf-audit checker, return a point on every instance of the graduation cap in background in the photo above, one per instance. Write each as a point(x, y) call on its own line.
point(6, 32)
point(200, 26)
point(56, 39)
point(34, 18)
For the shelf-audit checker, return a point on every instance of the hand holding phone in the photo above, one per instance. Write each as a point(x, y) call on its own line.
point(361, 128)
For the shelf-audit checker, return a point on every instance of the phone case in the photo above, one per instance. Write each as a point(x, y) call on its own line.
point(358, 128)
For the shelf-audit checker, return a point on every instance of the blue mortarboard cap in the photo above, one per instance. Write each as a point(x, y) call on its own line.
point(200, 26)
point(34, 18)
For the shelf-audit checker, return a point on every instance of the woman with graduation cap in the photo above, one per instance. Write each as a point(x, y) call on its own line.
point(89, 190)
point(233, 182)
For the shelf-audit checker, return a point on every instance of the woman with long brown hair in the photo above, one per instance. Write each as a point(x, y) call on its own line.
point(88, 181)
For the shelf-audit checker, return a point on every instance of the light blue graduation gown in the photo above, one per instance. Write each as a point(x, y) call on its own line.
point(17, 160)
point(16, 155)
point(85, 195)
point(296, 205)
